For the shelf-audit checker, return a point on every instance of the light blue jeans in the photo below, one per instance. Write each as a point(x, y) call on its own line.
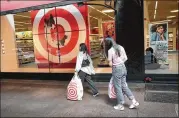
point(119, 73)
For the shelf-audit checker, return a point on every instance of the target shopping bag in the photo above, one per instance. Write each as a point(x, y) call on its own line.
point(75, 89)
point(111, 91)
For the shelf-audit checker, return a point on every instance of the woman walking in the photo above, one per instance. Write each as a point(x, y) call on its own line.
point(84, 68)
point(117, 57)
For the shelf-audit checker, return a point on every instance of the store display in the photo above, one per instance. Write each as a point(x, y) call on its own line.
point(95, 46)
point(109, 29)
point(159, 41)
point(71, 24)
point(170, 41)
point(25, 47)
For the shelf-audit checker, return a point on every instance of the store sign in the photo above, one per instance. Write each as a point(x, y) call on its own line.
point(159, 41)
point(7, 5)
point(57, 34)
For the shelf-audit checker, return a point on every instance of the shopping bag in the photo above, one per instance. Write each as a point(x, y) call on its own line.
point(75, 89)
point(111, 90)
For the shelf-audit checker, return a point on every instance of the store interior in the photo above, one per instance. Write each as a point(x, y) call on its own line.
point(164, 11)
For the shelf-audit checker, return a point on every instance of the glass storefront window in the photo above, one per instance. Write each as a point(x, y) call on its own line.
point(160, 32)
point(47, 40)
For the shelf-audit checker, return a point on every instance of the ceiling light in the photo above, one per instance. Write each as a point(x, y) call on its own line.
point(107, 10)
point(156, 3)
point(171, 16)
point(20, 28)
point(93, 17)
point(22, 16)
point(174, 11)
point(155, 12)
point(19, 25)
point(100, 11)
point(161, 21)
point(22, 22)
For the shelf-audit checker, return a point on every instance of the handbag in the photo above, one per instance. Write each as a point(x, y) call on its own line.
point(85, 62)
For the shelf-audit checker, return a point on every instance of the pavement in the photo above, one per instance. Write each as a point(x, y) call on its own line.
point(21, 98)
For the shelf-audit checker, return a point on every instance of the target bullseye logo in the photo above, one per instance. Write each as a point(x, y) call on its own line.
point(72, 91)
point(69, 22)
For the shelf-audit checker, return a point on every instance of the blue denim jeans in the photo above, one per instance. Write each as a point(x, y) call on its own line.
point(119, 73)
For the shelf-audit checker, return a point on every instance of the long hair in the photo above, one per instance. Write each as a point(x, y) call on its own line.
point(116, 47)
point(83, 48)
point(154, 27)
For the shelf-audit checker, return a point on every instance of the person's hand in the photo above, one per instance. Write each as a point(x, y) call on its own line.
point(76, 73)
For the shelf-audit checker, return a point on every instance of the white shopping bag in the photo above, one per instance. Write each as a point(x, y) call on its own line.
point(111, 90)
point(75, 89)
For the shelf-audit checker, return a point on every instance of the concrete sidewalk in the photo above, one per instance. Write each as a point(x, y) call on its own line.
point(22, 100)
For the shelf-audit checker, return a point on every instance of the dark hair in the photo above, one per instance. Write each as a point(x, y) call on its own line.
point(150, 49)
point(154, 27)
point(83, 48)
point(114, 45)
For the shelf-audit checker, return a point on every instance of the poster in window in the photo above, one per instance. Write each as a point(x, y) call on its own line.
point(159, 41)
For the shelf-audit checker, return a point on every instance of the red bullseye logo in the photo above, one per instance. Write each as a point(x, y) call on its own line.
point(60, 27)
point(72, 91)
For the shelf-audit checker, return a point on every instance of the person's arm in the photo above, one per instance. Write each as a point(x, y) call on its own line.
point(110, 58)
point(79, 62)
point(123, 56)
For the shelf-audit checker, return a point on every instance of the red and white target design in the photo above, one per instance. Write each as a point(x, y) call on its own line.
point(113, 93)
point(71, 21)
point(72, 91)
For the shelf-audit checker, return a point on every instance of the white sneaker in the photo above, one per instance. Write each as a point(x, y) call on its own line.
point(133, 105)
point(95, 94)
point(119, 107)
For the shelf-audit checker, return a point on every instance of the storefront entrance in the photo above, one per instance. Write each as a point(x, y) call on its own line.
point(43, 41)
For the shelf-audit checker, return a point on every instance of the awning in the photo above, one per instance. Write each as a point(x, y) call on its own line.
point(10, 7)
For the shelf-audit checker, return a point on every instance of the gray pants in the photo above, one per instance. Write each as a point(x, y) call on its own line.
point(119, 80)
point(84, 76)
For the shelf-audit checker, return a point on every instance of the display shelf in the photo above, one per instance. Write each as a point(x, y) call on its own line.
point(25, 49)
point(95, 46)
point(170, 41)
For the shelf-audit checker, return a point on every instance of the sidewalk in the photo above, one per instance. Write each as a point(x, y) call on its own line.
point(30, 100)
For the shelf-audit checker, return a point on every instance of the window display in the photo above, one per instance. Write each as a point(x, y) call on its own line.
point(47, 40)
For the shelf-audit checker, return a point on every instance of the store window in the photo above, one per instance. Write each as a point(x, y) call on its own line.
point(47, 40)
point(161, 40)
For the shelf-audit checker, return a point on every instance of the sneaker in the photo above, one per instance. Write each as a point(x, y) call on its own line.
point(119, 107)
point(95, 94)
point(133, 105)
